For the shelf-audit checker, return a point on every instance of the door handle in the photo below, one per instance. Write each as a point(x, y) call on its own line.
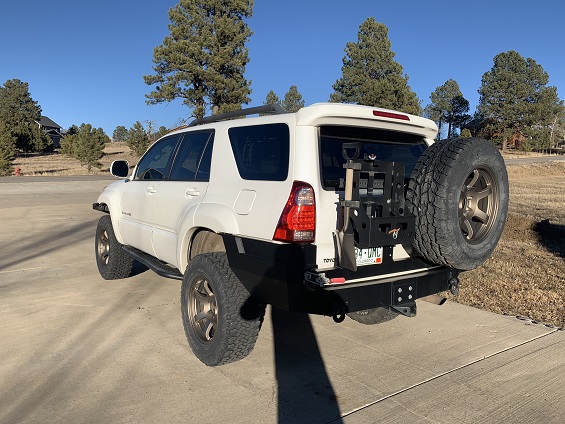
point(192, 192)
point(151, 190)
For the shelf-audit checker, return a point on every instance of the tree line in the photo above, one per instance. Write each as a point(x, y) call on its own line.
point(202, 62)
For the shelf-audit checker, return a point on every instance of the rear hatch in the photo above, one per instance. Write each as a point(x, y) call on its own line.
point(364, 230)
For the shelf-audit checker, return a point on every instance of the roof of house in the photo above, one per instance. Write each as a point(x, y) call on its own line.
point(46, 122)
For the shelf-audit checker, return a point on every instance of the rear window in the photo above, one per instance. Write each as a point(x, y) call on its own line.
point(381, 145)
point(261, 151)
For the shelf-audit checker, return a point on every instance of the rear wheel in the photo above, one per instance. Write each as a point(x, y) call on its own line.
point(373, 316)
point(112, 260)
point(459, 195)
point(221, 321)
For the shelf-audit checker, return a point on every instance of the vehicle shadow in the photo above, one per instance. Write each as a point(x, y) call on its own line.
point(305, 392)
point(551, 236)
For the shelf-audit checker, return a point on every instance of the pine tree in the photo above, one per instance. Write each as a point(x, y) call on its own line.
point(137, 139)
point(120, 133)
point(449, 106)
point(68, 142)
point(292, 101)
point(203, 59)
point(160, 132)
point(371, 76)
point(19, 113)
point(272, 99)
point(89, 146)
point(515, 98)
point(7, 151)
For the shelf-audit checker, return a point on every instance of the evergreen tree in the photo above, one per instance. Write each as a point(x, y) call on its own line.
point(449, 106)
point(137, 139)
point(120, 133)
point(89, 146)
point(203, 59)
point(292, 101)
point(371, 76)
point(272, 99)
point(19, 113)
point(160, 132)
point(69, 141)
point(466, 133)
point(515, 98)
point(7, 151)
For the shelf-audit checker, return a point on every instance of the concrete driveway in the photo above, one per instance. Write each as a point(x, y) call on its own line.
point(76, 348)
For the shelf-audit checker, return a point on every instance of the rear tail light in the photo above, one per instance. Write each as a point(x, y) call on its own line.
point(297, 223)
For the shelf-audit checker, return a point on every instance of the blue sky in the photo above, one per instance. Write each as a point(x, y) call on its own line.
point(85, 61)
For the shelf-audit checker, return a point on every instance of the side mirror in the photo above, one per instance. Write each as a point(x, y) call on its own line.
point(119, 168)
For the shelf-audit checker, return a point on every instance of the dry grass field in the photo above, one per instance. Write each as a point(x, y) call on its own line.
point(525, 276)
point(58, 164)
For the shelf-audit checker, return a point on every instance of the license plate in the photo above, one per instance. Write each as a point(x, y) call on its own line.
point(370, 256)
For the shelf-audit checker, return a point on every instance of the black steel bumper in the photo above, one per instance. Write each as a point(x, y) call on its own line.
point(281, 275)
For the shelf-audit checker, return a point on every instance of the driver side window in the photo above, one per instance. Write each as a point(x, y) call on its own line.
point(155, 163)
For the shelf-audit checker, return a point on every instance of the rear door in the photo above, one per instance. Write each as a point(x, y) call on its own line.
point(182, 192)
point(137, 216)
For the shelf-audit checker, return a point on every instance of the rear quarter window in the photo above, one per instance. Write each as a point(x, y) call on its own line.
point(261, 151)
point(381, 145)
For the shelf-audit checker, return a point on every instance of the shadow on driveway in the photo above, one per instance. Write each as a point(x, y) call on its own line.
point(305, 393)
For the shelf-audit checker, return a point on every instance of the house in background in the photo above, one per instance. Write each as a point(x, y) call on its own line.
point(52, 129)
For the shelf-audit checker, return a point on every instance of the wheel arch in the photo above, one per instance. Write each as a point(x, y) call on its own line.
point(202, 233)
point(110, 199)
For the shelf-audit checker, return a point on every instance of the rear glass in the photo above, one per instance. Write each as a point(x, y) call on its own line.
point(380, 145)
point(261, 151)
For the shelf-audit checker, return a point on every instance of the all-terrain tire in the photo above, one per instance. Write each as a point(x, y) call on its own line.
point(221, 321)
point(112, 260)
point(458, 192)
point(373, 316)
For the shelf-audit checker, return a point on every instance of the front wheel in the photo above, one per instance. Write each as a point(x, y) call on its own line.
point(221, 321)
point(112, 260)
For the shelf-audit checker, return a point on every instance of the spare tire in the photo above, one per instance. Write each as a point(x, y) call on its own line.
point(458, 192)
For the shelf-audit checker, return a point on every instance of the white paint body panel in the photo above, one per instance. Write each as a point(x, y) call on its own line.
point(162, 223)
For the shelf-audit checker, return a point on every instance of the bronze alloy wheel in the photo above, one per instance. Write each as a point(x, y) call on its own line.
point(478, 205)
point(202, 310)
point(103, 247)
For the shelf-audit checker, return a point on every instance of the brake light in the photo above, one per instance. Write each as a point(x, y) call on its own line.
point(391, 115)
point(297, 223)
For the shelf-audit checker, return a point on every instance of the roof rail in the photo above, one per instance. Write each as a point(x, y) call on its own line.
point(266, 109)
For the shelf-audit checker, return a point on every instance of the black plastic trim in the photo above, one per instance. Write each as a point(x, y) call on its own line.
point(101, 207)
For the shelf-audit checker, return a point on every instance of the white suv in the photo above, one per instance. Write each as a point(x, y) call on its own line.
point(335, 210)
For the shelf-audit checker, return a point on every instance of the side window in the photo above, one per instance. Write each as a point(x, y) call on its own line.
point(155, 162)
point(261, 151)
point(192, 162)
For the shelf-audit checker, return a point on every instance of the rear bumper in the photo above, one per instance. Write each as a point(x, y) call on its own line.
point(282, 275)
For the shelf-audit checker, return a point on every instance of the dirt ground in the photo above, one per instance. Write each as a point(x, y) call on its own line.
point(525, 276)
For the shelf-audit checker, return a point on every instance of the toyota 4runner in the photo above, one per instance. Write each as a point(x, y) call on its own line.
point(334, 210)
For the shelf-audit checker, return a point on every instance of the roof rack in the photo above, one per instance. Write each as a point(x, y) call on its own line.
point(266, 109)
